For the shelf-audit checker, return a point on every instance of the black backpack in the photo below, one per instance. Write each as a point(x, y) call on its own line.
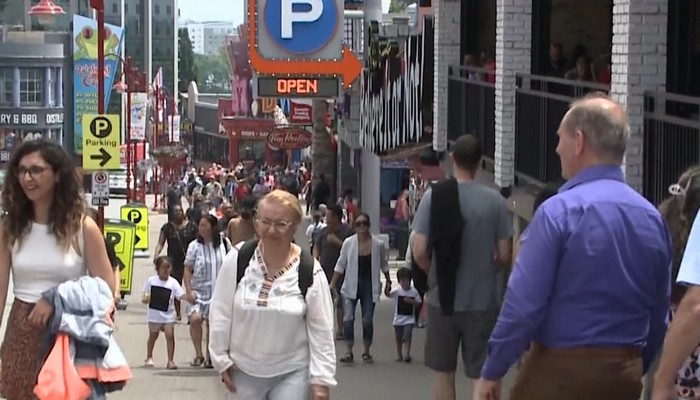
point(306, 265)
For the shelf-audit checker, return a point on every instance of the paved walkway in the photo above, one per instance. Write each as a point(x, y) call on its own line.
point(385, 379)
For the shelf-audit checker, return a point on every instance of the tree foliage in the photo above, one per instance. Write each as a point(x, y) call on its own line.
point(213, 72)
point(186, 64)
point(397, 6)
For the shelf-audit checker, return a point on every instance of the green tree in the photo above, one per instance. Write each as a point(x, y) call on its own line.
point(397, 6)
point(213, 72)
point(186, 64)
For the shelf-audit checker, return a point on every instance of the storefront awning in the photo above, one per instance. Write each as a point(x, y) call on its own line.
point(405, 151)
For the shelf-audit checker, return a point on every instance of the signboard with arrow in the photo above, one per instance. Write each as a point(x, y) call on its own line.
point(296, 47)
point(101, 142)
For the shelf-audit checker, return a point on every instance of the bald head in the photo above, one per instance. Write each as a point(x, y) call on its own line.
point(602, 122)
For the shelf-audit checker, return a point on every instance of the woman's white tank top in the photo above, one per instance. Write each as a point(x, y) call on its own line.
point(40, 264)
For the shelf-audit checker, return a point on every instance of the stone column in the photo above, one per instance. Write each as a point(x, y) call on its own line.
point(638, 65)
point(447, 41)
point(371, 165)
point(513, 46)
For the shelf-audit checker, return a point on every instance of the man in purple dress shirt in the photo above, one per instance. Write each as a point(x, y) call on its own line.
point(590, 288)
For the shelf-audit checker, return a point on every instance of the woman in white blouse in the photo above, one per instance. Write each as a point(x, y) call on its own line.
point(267, 340)
point(362, 259)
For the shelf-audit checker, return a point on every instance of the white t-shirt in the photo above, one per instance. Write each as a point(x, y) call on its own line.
point(689, 271)
point(404, 312)
point(161, 307)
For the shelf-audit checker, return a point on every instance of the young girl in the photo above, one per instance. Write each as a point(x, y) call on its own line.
point(406, 299)
point(159, 293)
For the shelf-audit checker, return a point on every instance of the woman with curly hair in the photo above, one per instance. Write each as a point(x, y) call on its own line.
point(45, 240)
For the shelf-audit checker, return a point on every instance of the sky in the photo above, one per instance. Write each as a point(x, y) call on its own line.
point(212, 10)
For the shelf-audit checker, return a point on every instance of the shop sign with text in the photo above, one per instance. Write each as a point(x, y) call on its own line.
point(289, 138)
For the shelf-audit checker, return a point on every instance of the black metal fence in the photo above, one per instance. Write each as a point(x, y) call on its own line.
point(671, 141)
point(541, 103)
point(471, 105)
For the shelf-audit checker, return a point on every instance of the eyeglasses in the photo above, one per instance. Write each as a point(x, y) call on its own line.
point(34, 171)
point(361, 223)
point(279, 225)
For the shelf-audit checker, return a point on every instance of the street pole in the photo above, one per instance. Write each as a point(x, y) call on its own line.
point(156, 90)
point(99, 7)
point(127, 137)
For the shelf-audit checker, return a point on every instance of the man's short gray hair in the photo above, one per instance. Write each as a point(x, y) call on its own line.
point(603, 122)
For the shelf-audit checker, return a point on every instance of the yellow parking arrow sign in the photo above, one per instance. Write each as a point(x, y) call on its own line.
point(101, 140)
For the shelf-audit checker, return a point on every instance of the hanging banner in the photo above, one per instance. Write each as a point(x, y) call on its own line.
point(300, 111)
point(268, 105)
point(239, 96)
point(139, 108)
point(85, 70)
point(174, 128)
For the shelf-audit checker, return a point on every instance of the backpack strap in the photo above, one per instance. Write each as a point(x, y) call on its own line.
point(306, 271)
point(244, 255)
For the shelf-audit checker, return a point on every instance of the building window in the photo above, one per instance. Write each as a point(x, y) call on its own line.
point(168, 10)
point(31, 86)
point(126, 8)
point(115, 8)
point(6, 86)
point(157, 7)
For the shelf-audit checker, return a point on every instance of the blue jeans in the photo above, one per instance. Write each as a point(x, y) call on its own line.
point(366, 299)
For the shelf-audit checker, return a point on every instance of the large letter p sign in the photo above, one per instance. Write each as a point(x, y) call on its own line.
point(289, 17)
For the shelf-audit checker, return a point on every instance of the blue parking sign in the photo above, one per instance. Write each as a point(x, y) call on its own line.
point(301, 26)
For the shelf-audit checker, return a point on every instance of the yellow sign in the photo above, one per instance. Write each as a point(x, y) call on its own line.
point(137, 214)
point(101, 142)
point(121, 235)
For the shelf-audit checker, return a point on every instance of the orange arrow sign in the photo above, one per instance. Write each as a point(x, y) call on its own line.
point(348, 67)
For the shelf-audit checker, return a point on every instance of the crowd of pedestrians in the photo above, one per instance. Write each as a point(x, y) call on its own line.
point(603, 286)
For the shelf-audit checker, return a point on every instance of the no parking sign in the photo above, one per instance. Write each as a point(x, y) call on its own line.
point(100, 188)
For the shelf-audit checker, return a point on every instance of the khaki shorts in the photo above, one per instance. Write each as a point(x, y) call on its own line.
point(154, 327)
point(446, 334)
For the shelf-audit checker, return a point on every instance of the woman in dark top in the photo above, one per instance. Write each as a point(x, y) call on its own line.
point(178, 233)
point(363, 259)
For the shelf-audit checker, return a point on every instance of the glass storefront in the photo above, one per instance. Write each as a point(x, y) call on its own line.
point(251, 151)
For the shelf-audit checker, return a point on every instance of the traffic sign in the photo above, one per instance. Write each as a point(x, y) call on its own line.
point(121, 235)
point(304, 31)
point(309, 36)
point(100, 188)
point(137, 214)
point(101, 140)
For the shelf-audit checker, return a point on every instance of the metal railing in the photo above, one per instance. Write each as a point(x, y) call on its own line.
point(541, 103)
point(471, 102)
point(671, 141)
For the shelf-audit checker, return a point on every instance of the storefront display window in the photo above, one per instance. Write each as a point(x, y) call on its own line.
point(251, 150)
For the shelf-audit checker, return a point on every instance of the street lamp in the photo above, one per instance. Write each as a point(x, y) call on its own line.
point(45, 12)
point(162, 99)
point(133, 81)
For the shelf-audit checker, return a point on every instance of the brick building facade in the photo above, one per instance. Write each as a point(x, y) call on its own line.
point(632, 33)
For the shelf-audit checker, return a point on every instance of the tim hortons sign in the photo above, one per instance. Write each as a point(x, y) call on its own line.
point(289, 138)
